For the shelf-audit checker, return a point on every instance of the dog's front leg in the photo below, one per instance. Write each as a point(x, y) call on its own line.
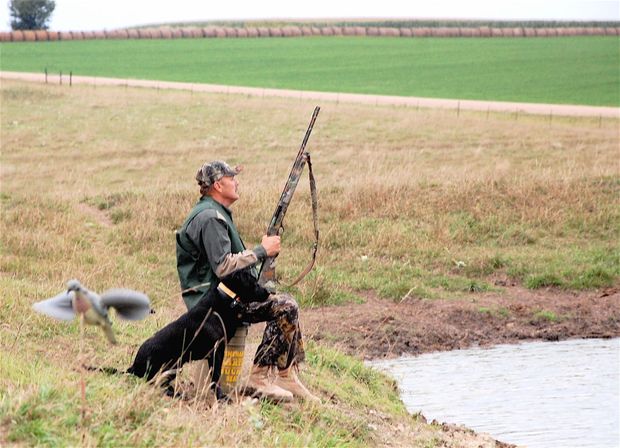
point(218, 359)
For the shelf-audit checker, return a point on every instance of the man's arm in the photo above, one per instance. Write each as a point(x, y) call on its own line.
point(212, 232)
point(269, 246)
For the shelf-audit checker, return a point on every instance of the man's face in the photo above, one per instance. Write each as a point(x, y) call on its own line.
point(227, 188)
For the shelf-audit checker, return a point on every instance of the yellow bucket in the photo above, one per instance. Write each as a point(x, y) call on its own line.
point(233, 360)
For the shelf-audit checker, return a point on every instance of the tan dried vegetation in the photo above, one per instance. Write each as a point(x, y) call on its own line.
point(95, 180)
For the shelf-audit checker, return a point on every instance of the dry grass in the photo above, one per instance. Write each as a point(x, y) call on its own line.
point(105, 176)
point(94, 181)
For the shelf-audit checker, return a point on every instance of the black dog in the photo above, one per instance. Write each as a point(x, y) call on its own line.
point(201, 332)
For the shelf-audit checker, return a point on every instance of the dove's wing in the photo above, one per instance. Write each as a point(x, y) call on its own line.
point(96, 303)
point(58, 307)
point(129, 304)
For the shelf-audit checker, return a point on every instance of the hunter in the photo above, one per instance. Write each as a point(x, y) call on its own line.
point(209, 247)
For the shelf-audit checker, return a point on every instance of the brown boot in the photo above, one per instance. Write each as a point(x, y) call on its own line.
point(288, 380)
point(260, 385)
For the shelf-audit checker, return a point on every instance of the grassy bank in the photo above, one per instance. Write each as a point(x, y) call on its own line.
point(563, 70)
point(40, 404)
point(425, 203)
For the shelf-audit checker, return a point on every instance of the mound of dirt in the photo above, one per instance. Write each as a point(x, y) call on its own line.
point(381, 328)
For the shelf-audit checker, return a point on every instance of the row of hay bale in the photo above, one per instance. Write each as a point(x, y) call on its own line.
point(295, 31)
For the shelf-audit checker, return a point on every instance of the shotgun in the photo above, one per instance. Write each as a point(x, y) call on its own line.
point(267, 275)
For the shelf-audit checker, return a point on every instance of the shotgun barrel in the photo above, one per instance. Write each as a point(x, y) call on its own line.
point(268, 268)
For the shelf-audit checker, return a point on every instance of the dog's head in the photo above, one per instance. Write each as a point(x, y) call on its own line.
point(245, 286)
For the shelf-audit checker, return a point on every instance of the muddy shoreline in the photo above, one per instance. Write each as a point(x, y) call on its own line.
point(379, 329)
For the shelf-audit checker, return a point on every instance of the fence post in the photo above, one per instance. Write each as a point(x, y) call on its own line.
point(60, 78)
point(45, 75)
point(70, 78)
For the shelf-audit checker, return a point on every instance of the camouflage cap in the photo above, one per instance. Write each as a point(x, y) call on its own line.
point(211, 172)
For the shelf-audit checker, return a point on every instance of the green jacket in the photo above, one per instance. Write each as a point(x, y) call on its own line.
point(207, 237)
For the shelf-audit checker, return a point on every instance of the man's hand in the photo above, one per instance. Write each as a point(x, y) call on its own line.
point(271, 245)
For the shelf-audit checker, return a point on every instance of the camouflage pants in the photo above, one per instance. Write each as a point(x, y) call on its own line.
point(282, 344)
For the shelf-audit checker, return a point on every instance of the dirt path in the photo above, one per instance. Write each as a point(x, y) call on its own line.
point(435, 103)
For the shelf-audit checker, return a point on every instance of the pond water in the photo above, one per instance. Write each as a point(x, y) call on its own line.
point(538, 394)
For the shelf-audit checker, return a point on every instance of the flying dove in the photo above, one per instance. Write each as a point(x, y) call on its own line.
point(77, 300)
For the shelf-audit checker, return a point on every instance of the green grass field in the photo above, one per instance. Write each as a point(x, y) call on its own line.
point(563, 70)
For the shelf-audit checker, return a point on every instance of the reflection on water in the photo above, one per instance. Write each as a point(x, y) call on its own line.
point(538, 394)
